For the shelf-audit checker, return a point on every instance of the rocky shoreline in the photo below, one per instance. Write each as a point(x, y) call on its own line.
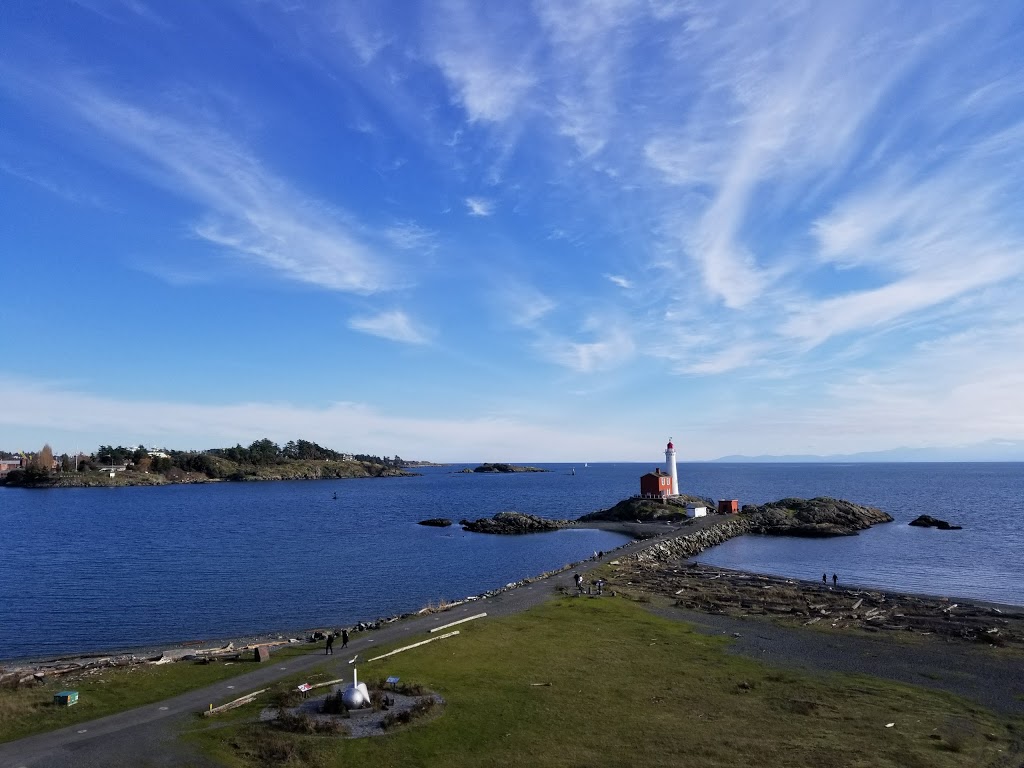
point(294, 471)
point(720, 591)
point(660, 569)
point(72, 667)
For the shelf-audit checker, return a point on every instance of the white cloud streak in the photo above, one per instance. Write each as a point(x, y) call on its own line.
point(478, 206)
point(608, 347)
point(249, 210)
point(619, 280)
point(394, 325)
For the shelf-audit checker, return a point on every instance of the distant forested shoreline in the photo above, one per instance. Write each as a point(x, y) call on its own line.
point(111, 466)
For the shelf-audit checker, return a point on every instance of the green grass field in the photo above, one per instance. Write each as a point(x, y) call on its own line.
point(623, 687)
point(26, 711)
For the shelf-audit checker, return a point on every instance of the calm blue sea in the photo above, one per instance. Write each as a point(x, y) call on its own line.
point(101, 569)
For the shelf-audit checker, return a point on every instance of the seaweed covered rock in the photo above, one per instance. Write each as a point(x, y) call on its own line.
point(512, 523)
point(813, 518)
point(436, 522)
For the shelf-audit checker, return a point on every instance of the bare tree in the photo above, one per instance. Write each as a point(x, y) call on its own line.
point(44, 459)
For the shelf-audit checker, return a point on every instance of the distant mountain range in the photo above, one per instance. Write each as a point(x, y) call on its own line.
point(990, 450)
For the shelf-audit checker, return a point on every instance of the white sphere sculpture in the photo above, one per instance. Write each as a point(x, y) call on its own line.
point(356, 696)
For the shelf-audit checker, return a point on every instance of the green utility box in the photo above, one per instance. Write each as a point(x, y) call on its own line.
point(65, 698)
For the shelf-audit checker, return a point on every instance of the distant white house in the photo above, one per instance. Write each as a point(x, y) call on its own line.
point(158, 455)
point(696, 510)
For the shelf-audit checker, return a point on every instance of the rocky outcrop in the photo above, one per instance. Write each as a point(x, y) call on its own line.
point(661, 510)
point(483, 468)
point(812, 518)
point(513, 523)
point(436, 522)
point(927, 521)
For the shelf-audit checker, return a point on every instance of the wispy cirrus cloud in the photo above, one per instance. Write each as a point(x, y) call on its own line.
point(394, 325)
point(912, 232)
point(523, 305)
point(586, 49)
point(410, 236)
point(118, 10)
point(479, 206)
point(606, 346)
point(60, 188)
point(790, 109)
point(248, 209)
point(619, 280)
point(488, 80)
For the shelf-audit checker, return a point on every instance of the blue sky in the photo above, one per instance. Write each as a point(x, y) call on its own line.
point(512, 231)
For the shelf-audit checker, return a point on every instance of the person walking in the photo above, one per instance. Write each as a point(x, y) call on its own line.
point(579, 582)
point(824, 579)
point(835, 580)
point(344, 638)
point(330, 644)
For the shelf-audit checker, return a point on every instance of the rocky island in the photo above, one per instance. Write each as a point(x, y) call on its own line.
point(927, 521)
point(812, 518)
point(514, 523)
point(808, 518)
point(485, 468)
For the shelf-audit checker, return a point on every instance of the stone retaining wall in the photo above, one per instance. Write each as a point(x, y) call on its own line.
point(690, 544)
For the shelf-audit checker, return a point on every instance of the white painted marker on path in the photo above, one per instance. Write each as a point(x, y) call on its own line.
point(460, 621)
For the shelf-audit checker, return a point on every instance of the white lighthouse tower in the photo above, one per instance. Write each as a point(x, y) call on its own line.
point(670, 466)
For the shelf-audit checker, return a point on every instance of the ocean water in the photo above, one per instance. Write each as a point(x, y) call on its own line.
point(100, 569)
point(984, 561)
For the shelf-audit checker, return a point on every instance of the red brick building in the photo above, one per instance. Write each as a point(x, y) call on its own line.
point(656, 484)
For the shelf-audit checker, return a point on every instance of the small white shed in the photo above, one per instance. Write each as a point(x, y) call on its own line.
point(696, 510)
